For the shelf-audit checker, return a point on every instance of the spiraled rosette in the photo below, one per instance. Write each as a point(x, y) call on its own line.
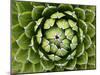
point(52, 37)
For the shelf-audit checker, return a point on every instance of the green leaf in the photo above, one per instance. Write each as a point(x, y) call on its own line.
point(61, 63)
point(47, 65)
point(89, 15)
point(49, 10)
point(16, 66)
point(83, 59)
point(61, 52)
point(13, 7)
point(82, 67)
point(71, 14)
point(37, 68)
point(65, 44)
point(54, 57)
point(69, 33)
point(62, 23)
point(83, 7)
point(33, 44)
point(39, 36)
point(94, 40)
point(23, 42)
point(35, 4)
point(91, 51)
point(81, 35)
point(14, 18)
point(38, 22)
point(65, 7)
point(14, 49)
point(39, 33)
point(45, 45)
point(47, 48)
point(17, 31)
point(80, 13)
point(80, 50)
point(91, 30)
point(71, 55)
point(37, 12)
point(21, 55)
point(91, 67)
point(87, 41)
point(29, 29)
point(92, 60)
point(24, 19)
point(93, 8)
point(57, 15)
point(43, 56)
point(49, 23)
point(74, 42)
point(45, 42)
point(33, 57)
point(23, 7)
point(53, 32)
point(73, 25)
point(82, 25)
point(71, 64)
point(53, 48)
point(27, 67)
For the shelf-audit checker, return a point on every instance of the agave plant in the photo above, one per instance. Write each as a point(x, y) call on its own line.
point(52, 37)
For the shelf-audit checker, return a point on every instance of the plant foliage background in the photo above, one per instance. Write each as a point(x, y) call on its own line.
point(49, 37)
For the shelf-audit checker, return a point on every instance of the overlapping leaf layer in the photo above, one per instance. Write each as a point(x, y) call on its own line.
point(52, 37)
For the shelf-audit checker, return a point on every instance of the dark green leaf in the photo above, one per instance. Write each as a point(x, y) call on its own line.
point(37, 12)
point(21, 55)
point(92, 60)
point(83, 59)
point(27, 67)
point(29, 29)
point(37, 67)
point(33, 57)
point(89, 15)
point(49, 10)
point(47, 65)
point(23, 42)
point(91, 51)
point(91, 30)
point(80, 13)
point(14, 49)
point(14, 18)
point(16, 66)
point(71, 64)
point(80, 50)
point(17, 31)
point(71, 14)
point(81, 67)
point(24, 19)
point(82, 24)
point(87, 41)
point(65, 7)
point(23, 6)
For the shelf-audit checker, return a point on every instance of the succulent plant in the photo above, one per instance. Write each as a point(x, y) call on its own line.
point(48, 37)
